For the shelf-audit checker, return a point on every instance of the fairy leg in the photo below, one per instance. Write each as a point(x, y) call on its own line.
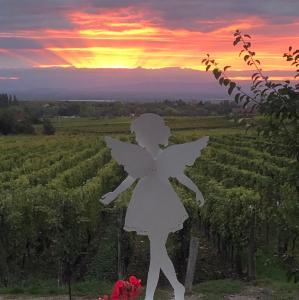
point(161, 260)
point(154, 268)
point(169, 271)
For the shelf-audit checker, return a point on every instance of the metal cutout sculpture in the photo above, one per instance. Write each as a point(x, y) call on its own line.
point(155, 209)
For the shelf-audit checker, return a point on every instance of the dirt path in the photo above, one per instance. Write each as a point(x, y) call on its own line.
point(250, 293)
point(17, 297)
point(253, 293)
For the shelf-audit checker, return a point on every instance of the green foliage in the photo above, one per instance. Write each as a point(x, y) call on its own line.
point(14, 121)
point(277, 101)
point(48, 128)
point(54, 224)
point(122, 124)
point(104, 263)
point(50, 287)
point(84, 109)
point(7, 100)
point(217, 289)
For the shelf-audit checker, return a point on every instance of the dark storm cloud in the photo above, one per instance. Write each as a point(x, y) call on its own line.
point(190, 14)
point(19, 43)
point(199, 15)
point(33, 14)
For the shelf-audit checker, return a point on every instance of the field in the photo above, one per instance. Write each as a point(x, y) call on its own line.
point(53, 227)
point(122, 124)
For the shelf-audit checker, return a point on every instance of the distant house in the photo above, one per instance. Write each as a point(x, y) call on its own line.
point(20, 116)
point(238, 109)
point(241, 110)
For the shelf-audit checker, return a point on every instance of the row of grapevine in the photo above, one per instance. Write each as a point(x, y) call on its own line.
point(263, 180)
point(39, 161)
point(46, 224)
point(49, 208)
point(251, 151)
point(46, 174)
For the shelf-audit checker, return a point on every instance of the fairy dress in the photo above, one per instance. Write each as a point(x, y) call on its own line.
point(155, 206)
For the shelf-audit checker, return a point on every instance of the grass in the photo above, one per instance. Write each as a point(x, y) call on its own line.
point(217, 289)
point(50, 287)
point(282, 290)
point(272, 274)
point(271, 277)
point(183, 128)
point(122, 124)
point(92, 288)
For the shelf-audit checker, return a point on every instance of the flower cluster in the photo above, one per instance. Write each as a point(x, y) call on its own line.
point(125, 290)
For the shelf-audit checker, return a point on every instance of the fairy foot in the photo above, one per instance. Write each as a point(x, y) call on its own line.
point(179, 293)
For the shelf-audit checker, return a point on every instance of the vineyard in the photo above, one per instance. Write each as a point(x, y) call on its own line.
point(53, 226)
point(122, 124)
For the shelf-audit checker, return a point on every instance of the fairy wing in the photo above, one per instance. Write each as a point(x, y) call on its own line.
point(174, 159)
point(136, 160)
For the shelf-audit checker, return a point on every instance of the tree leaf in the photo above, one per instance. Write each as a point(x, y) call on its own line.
point(226, 82)
point(232, 85)
point(257, 83)
point(237, 96)
point(246, 57)
point(217, 73)
point(237, 40)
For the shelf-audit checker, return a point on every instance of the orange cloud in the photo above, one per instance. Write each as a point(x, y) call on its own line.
point(272, 78)
point(130, 38)
point(123, 39)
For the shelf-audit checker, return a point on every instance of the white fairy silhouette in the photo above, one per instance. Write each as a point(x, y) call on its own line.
point(155, 209)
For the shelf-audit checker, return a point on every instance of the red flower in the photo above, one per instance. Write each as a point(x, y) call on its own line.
point(125, 289)
point(135, 287)
point(134, 281)
point(119, 291)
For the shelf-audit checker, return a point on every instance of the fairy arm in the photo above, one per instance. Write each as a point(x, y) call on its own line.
point(186, 181)
point(135, 160)
point(109, 197)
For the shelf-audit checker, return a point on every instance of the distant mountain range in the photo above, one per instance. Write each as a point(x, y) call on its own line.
point(116, 84)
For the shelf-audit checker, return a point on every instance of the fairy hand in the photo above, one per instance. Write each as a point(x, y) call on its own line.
point(107, 198)
point(200, 199)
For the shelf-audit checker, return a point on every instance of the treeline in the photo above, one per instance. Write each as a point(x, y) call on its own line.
point(117, 108)
point(7, 100)
point(13, 118)
point(16, 118)
point(19, 117)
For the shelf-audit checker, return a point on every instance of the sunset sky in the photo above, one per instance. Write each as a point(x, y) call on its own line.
point(151, 34)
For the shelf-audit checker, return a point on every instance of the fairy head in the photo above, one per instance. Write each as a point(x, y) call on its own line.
point(150, 131)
